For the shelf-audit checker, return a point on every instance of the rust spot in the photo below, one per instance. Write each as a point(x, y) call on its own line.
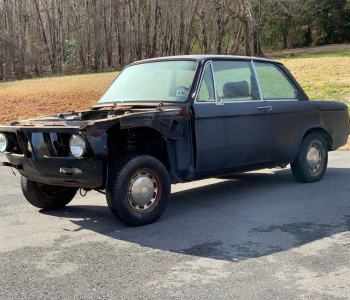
point(96, 133)
point(183, 112)
point(124, 107)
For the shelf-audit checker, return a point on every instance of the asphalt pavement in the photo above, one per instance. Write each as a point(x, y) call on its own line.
point(258, 235)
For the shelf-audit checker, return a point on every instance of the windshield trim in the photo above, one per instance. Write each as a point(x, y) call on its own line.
point(160, 59)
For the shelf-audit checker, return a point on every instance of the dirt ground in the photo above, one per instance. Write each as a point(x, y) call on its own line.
point(42, 96)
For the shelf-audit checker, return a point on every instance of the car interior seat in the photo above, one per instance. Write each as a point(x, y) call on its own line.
point(234, 90)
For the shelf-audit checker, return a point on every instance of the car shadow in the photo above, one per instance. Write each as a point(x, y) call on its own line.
point(239, 217)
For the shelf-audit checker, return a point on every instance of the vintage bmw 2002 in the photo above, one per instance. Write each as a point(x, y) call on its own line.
point(174, 119)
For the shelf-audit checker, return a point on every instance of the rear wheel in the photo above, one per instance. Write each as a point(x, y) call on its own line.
point(138, 192)
point(46, 196)
point(311, 162)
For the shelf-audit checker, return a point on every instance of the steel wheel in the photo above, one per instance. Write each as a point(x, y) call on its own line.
point(315, 157)
point(311, 162)
point(52, 192)
point(144, 191)
point(138, 192)
point(46, 196)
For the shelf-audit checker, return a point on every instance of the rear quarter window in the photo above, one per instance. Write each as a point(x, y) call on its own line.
point(274, 82)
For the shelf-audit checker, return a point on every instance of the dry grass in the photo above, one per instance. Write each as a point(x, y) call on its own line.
point(29, 98)
point(347, 146)
point(322, 78)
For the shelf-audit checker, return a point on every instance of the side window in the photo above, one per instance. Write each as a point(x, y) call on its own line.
point(206, 92)
point(235, 81)
point(274, 83)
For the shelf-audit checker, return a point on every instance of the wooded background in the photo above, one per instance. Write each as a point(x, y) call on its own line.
point(44, 37)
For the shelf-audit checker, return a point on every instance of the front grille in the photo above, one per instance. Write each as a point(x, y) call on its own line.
point(38, 144)
point(49, 144)
point(14, 144)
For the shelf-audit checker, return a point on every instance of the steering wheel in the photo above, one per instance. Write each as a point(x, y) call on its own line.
point(181, 91)
point(181, 87)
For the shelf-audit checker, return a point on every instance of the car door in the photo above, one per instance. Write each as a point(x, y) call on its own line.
point(232, 124)
point(289, 115)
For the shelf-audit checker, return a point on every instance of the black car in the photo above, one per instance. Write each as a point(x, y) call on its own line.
point(170, 120)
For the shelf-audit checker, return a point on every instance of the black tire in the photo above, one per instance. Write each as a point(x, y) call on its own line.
point(311, 162)
point(46, 196)
point(139, 180)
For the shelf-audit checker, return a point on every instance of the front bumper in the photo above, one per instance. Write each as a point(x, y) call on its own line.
point(36, 157)
point(50, 170)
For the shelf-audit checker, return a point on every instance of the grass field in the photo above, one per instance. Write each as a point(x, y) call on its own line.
point(324, 76)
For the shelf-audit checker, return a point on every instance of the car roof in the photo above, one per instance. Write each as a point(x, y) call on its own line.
point(204, 58)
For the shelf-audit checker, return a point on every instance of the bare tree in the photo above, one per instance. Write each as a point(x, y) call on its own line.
point(72, 36)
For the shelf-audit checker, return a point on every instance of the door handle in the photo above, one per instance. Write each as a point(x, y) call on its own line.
point(265, 108)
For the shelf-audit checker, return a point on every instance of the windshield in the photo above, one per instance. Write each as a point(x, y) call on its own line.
point(154, 81)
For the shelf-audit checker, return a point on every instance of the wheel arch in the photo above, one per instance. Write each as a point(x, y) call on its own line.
point(321, 131)
point(171, 142)
point(124, 142)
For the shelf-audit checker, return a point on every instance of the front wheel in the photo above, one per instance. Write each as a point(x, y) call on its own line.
point(138, 192)
point(46, 196)
point(311, 162)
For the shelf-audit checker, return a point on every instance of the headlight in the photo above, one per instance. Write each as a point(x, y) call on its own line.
point(77, 146)
point(3, 142)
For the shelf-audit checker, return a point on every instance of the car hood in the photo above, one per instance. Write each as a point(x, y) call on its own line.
point(89, 117)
